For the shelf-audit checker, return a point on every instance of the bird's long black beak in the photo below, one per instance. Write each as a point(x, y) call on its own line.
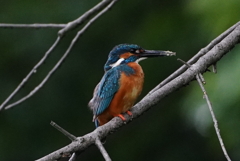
point(156, 53)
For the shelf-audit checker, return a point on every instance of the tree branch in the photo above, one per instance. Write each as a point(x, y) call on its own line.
point(196, 57)
point(70, 136)
point(35, 26)
point(63, 131)
point(81, 19)
point(200, 66)
point(68, 27)
point(102, 149)
point(3, 105)
point(199, 79)
point(73, 157)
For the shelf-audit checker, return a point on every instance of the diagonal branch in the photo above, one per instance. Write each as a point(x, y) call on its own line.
point(63, 131)
point(196, 57)
point(200, 66)
point(3, 105)
point(73, 157)
point(66, 27)
point(81, 19)
point(198, 77)
point(70, 136)
point(201, 81)
point(102, 150)
point(62, 32)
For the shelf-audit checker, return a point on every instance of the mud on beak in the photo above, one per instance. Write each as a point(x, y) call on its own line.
point(156, 53)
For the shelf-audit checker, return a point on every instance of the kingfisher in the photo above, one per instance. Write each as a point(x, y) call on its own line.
point(121, 83)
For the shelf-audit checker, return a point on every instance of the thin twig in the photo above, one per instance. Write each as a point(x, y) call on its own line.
point(102, 149)
point(213, 56)
point(58, 63)
point(66, 27)
point(69, 135)
point(202, 52)
point(214, 67)
point(201, 78)
point(188, 65)
point(198, 77)
point(35, 26)
point(201, 81)
point(81, 19)
point(73, 157)
point(2, 107)
point(63, 131)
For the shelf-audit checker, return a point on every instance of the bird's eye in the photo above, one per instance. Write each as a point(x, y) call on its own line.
point(137, 51)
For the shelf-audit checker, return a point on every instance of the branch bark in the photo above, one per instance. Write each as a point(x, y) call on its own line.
point(199, 78)
point(35, 26)
point(211, 57)
point(102, 150)
point(202, 52)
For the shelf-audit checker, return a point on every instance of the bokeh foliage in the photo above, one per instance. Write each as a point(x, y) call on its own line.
point(178, 128)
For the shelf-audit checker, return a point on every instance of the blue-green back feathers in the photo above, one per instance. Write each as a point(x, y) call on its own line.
point(110, 82)
point(107, 88)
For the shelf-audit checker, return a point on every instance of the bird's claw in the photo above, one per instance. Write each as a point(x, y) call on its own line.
point(130, 114)
point(122, 117)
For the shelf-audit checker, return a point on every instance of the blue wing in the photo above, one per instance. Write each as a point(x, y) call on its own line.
point(105, 91)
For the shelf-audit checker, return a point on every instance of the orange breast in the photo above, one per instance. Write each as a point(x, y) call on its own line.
point(130, 89)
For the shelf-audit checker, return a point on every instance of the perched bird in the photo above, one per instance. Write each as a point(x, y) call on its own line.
point(121, 83)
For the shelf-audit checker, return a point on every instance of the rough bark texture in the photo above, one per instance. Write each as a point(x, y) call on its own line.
point(200, 66)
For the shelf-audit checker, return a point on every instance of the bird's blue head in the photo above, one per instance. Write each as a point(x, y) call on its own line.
point(126, 53)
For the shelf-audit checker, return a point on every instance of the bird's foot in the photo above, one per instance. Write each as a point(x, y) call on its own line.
point(122, 117)
point(130, 114)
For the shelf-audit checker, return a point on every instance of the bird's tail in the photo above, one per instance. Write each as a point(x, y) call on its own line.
point(96, 123)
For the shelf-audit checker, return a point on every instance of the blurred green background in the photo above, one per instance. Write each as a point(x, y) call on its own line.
point(178, 128)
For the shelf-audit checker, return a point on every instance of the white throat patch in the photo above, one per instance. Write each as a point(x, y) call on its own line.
point(138, 60)
point(117, 63)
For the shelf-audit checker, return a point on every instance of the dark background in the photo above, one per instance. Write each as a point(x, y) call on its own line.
point(178, 128)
